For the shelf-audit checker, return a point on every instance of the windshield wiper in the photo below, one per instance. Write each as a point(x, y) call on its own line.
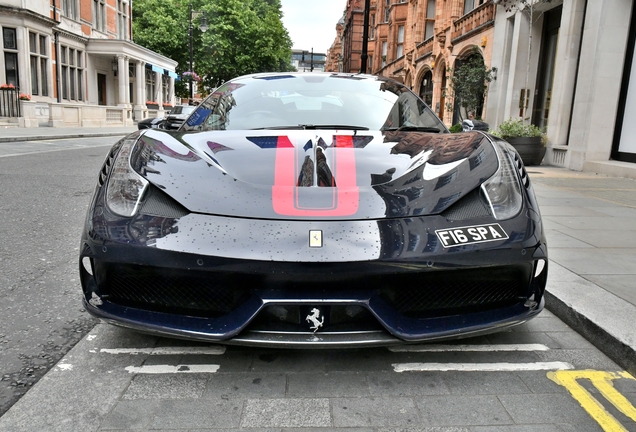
point(409, 128)
point(313, 127)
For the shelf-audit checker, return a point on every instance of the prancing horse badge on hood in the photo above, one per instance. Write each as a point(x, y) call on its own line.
point(315, 319)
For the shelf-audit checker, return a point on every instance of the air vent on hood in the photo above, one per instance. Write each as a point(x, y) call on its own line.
point(469, 207)
point(158, 203)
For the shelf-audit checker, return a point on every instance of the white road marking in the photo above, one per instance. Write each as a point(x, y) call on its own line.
point(179, 369)
point(210, 350)
point(480, 367)
point(466, 348)
point(65, 367)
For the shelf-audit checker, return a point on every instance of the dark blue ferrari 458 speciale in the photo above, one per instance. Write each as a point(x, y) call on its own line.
point(313, 210)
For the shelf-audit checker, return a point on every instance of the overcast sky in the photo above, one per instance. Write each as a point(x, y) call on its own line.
point(312, 23)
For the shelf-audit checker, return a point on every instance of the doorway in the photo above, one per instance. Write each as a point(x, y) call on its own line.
point(101, 89)
point(624, 146)
point(547, 59)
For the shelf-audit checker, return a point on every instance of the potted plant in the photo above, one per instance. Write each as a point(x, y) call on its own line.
point(527, 139)
point(152, 105)
point(24, 97)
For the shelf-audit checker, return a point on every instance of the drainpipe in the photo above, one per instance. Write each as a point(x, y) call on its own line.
point(365, 37)
point(57, 53)
point(57, 67)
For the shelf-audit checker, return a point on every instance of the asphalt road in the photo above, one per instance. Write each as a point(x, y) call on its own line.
point(44, 193)
point(541, 376)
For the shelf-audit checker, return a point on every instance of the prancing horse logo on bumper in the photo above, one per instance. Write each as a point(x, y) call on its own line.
point(314, 318)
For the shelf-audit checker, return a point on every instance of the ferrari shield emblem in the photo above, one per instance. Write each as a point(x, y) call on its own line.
point(315, 239)
point(315, 319)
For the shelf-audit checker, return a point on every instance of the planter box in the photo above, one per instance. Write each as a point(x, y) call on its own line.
point(152, 106)
point(530, 149)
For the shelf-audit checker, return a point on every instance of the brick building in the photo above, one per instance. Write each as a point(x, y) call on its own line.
point(577, 76)
point(417, 41)
point(77, 62)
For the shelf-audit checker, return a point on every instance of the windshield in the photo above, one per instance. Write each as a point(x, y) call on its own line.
point(313, 101)
point(182, 109)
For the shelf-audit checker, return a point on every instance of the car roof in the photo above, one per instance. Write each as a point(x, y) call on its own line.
point(324, 74)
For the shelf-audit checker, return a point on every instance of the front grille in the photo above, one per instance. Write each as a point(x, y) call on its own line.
point(459, 291)
point(415, 294)
point(192, 293)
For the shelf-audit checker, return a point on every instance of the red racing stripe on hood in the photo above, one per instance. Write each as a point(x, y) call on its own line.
point(286, 195)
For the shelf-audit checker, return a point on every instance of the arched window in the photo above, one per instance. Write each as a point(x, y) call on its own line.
point(426, 88)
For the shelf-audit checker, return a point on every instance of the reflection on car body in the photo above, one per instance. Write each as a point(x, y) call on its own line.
point(177, 115)
point(313, 210)
point(151, 123)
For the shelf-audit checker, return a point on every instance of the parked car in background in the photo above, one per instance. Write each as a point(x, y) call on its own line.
point(313, 210)
point(151, 123)
point(178, 115)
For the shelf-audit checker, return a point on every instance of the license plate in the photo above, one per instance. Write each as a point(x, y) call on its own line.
point(471, 234)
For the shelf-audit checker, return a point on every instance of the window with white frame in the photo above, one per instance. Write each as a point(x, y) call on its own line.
point(38, 64)
point(387, 10)
point(165, 81)
point(400, 42)
point(10, 45)
point(69, 9)
point(72, 66)
point(150, 85)
point(99, 15)
point(122, 19)
point(384, 51)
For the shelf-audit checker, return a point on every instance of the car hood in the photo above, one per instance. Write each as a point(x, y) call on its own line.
point(315, 174)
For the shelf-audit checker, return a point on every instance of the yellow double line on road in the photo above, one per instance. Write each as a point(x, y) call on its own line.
point(603, 381)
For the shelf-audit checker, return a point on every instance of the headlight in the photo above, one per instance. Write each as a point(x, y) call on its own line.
point(502, 190)
point(125, 187)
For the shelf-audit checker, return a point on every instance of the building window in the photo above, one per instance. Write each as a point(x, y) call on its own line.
point(150, 85)
point(430, 19)
point(387, 10)
point(426, 89)
point(384, 51)
point(122, 19)
point(10, 56)
point(38, 59)
point(469, 5)
point(400, 42)
point(99, 15)
point(372, 29)
point(165, 81)
point(69, 9)
point(72, 61)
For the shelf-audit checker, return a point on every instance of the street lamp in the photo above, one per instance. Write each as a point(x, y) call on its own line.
point(203, 27)
point(312, 60)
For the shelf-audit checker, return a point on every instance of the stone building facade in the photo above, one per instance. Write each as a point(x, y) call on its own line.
point(76, 61)
point(580, 77)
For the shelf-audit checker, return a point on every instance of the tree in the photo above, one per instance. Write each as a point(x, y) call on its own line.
point(242, 37)
point(469, 82)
